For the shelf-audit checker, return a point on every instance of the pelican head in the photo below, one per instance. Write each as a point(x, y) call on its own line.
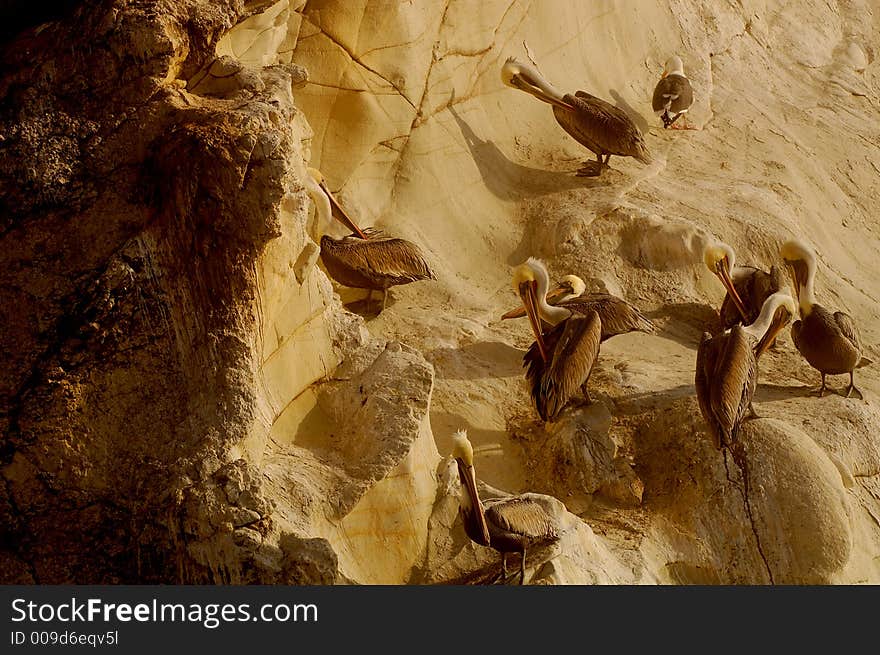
point(800, 260)
point(475, 520)
point(673, 66)
point(720, 259)
point(776, 312)
point(525, 283)
point(525, 77)
point(572, 285)
point(326, 204)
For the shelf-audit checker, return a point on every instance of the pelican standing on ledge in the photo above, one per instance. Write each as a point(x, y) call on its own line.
point(747, 286)
point(617, 315)
point(727, 368)
point(598, 125)
point(829, 342)
point(673, 95)
point(560, 360)
point(508, 525)
point(365, 259)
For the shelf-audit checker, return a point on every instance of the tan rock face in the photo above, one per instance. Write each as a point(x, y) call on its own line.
point(185, 399)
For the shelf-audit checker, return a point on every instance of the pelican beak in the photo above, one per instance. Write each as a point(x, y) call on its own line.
point(790, 265)
point(528, 291)
point(469, 482)
point(339, 213)
point(780, 319)
point(552, 297)
point(664, 74)
point(723, 272)
point(523, 82)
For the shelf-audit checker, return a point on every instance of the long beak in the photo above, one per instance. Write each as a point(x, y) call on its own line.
point(524, 84)
point(665, 73)
point(528, 291)
point(724, 275)
point(552, 298)
point(780, 320)
point(469, 479)
point(339, 213)
point(795, 280)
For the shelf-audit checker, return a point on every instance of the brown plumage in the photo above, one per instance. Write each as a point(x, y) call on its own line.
point(596, 124)
point(754, 286)
point(572, 348)
point(673, 95)
point(365, 259)
point(829, 341)
point(508, 525)
point(727, 368)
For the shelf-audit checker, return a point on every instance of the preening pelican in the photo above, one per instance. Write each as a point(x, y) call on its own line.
point(673, 95)
point(617, 315)
point(508, 525)
point(598, 125)
point(829, 342)
point(747, 286)
point(365, 259)
point(561, 359)
point(727, 368)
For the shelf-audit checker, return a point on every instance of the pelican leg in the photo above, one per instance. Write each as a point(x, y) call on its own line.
point(522, 567)
point(852, 387)
point(502, 577)
point(752, 413)
point(822, 388)
point(384, 298)
point(369, 297)
point(586, 392)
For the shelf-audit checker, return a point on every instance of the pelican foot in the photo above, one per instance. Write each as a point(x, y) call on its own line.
point(752, 415)
point(590, 168)
point(851, 388)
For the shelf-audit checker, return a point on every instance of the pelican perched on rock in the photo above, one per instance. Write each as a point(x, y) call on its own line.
point(561, 359)
point(829, 342)
point(508, 525)
point(365, 259)
point(594, 123)
point(673, 95)
point(727, 368)
point(617, 315)
point(747, 286)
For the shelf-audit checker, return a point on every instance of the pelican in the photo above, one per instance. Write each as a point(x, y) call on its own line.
point(365, 259)
point(727, 368)
point(829, 342)
point(617, 315)
point(508, 525)
point(560, 360)
point(673, 95)
point(747, 286)
point(598, 125)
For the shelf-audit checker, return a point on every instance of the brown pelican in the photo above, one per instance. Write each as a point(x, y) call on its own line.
point(727, 368)
point(561, 359)
point(751, 286)
point(598, 125)
point(829, 342)
point(617, 315)
point(673, 95)
point(365, 259)
point(508, 525)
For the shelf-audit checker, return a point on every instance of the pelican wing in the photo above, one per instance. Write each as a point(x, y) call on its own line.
point(523, 517)
point(602, 127)
point(848, 329)
point(397, 260)
point(617, 315)
point(733, 382)
point(573, 355)
point(673, 94)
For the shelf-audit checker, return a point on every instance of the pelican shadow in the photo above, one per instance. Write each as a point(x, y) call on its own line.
point(511, 181)
point(484, 359)
point(636, 117)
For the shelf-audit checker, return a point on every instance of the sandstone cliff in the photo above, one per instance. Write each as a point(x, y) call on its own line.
point(185, 399)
